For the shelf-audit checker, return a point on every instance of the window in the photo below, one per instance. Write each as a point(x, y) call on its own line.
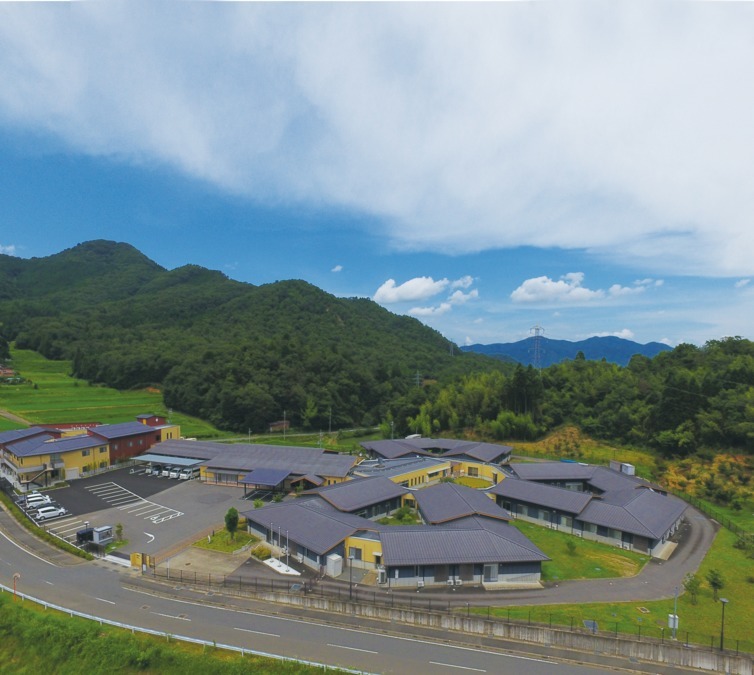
point(85, 453)
point(473, 471)
point(354, 553)
point(103, 449)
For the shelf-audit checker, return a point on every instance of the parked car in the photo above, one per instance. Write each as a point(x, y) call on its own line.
point(50, 512)
point(166, 471)
point(35, 501)
point(156, 470)
point(174, 472)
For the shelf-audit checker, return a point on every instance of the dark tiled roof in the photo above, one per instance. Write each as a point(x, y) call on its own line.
point(44, 445)
point(359, 493)
point(552, 470)
point(7, 437)
point(547, 496)
point(642, 512)
point(114, 431)
point(311, 523)
point(476, 541)
point(438, 447)
point(243, 457)
point(28, 447)
point(448, 501)
point(268, 477)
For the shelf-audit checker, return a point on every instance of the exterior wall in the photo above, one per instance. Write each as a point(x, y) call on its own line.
point(130, 446)
point(467, 574)
point(167, 433)
point(59, 466)
point(369, 552)
point(422, 476)
point(489, 472)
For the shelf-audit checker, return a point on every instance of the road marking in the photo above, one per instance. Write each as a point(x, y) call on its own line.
point(21, 548)
point(109, 602)
point(353, 649)
point(452, 665)
point(48, 582)
point(150, 535)
point(257, 632)
point(170, 616)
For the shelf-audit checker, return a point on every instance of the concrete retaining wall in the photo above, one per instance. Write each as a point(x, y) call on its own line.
point(667, 652)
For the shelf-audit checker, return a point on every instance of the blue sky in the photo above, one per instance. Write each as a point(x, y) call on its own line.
point(485, 167)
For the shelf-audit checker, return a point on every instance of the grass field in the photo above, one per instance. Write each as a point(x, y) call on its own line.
point(698, 623)
point(54, 396)
point(589, 559)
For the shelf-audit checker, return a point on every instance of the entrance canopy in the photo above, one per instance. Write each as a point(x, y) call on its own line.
point(166, 459)
point(266, 477)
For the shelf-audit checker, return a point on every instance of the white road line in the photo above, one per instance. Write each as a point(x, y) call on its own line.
point(48, 582)
point(150, 535)
point(257, 632)
point(33, 555)
point(170, 616)
point(452, 665)
point(109, 602)
point(354, 649)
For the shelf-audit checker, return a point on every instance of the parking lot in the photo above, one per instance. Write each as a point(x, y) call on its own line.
point(156, 513)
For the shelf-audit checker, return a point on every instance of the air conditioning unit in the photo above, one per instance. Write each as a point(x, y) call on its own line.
point(420, 583)
point(382, 576)
point(459, 582)
point(300, 557)
point(450, 582)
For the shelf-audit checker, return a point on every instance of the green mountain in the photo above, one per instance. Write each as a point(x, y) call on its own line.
point(238, 355)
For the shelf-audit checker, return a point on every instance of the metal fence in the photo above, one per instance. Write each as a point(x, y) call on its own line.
point(252, 587)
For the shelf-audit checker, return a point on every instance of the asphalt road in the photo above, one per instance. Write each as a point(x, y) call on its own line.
point(106, 590)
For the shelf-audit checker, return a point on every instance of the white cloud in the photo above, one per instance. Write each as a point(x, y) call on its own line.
point(9, 249)
point(626, 334)
point(567, 289)
point(461, 298)
point(741, 283)
point(337, 268)
point(441, 309)
point(462, 126)
point(419, 288)
point(463, 282)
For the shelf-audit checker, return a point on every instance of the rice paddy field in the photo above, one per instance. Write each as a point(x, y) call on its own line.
point(50, 395)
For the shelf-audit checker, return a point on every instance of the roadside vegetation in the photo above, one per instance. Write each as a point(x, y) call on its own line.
point(222, 541)
point(36, 640)
point(699, 621)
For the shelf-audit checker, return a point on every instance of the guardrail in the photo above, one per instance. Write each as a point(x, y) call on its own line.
point(243, 651)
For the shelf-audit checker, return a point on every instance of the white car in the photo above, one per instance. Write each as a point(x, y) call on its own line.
point(50, 512)
point(34, 501)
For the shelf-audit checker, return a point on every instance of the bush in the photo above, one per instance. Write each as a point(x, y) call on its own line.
point(261, 553)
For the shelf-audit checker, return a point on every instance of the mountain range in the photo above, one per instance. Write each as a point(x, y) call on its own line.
point(542, 351)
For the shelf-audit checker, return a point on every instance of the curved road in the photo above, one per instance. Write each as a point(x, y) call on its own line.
point(103, 589)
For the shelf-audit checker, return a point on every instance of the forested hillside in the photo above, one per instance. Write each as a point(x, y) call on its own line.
point(681, 401)
point(238, 355)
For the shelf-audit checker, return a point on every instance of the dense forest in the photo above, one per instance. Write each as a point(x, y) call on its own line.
point(238, 355)
point(242, 356)
point(678, 402)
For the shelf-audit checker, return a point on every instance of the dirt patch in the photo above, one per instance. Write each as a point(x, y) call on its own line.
point(623, 566)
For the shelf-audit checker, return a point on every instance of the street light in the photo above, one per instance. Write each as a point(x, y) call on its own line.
point(724, 602)
point(350, 576)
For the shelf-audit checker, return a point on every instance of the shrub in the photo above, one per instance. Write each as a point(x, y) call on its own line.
point(261, 553)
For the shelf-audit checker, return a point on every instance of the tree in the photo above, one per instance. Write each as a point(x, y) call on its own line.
point(715, 581)
point(231, 522)
point(692, 585)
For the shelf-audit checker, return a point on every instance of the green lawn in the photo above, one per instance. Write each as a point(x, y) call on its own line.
point(698, 623)
point(589, 560)
point(54, 396)
point(222, 542)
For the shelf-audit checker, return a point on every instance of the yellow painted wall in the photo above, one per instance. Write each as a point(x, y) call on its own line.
point(167, 433)
point(482, 470)
point(368, 548)
point(71, 459)
point(421, 476)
